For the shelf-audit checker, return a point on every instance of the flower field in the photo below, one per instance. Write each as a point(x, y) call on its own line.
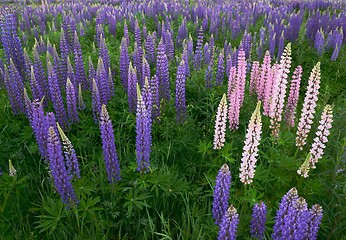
point(173, 119)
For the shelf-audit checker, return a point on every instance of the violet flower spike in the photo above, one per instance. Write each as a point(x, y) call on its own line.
point(229, 225)
point(258, 220)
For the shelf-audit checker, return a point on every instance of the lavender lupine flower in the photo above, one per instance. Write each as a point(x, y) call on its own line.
point(27, 103)
point(91, 71)
point(70, 73)
point(39, 73)
point(55, 94)
point(78, 59)
point(124, 62)
point(290, 110)
point(309, 105)
point(279, 91)
point(154, 87)
point(81, 104)
point(272, 45)
point(337, 43)
point(317, 148)
point(220, 124)
point(104, 54)
point(37, 122)
point(287, 201)
point(71, 101)
point(102, 82)
point(147, 95)
point(190, 47)
point(62, 180)
point(162, 71)
point(185, 57)
point(220, 69)
point(145, 70)
point(169, 45)
point(209, 76)
point(150, 49)
point(28, 64)
point(96, 101)
point(143, 134)
point(198, 57)
point(295, 221)
point(36, 90)
point(70, 154)
point(108, 147)
point(126, 34)
point(250, 150)
point(131, 88)
point(137, 60)
point(137, 33)
point(281, 45)
point(270, 80)
point(254, 77)
point(180, 103)
point(258, 220)
point(229, 225)
point(206, 53)
point(315, 218)
point(221, 193)
point(17, 85)
point(319, 42)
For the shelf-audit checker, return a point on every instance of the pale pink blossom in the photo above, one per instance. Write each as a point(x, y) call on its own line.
point(309, 105)
point(279, 91)
point(250, 150)
point(220, 124)
point(265, 70)
point(268, 89)
point(254, 77)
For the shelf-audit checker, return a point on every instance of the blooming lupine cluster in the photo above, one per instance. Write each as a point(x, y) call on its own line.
point(180, 103)
point(220, 124)
point(250, 150)
point(317, 148)
point(309, 105)
point(258, 220)
point(221, 194)
point(229, 224)
point(108, 147)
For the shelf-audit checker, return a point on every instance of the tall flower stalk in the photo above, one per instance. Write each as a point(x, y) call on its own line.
point(229, 225)
point(250, 150)
point(309, 105)
point(220, 124)
point(258, 220)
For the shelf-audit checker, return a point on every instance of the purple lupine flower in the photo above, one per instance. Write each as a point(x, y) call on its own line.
point(17, 85)
point(319, 42)
point(81, 29)
point(154, 87)
point(27, 103)
point(162, 71)
point(55, 94)
point(169, 45)
point(70, 73)
point(250, 150)
point(62, 180)
point(185, 57)
point(221, 193)
point(309, 105)
point(229, 224)
point(254, 77)
point(137, 60)
point(126, 34)
point(104, 54)
point(124, 62)
point(78, 59)
point(258, 220)
point(292, 101)
point(220, 124)
point(228, 63)
point(206, 53)
point(81, 104)
point(102, 82)
point(286, 202)
point(71, 101)
point(190, 47)
point(220, 69)
point(180, 102)
point(209, 76)
point(145, 71)
point(272, 45)
point(337, 44)
point(147, 95)
point(131, 89)
point(28, 64)
point(315, 218)
point(150, 49)
point(108, 147)
point(143, 134)
point(70, 154)
point(137, 33)
point(96, 101)
point(212, 47)
point(39, 73)
point(37, 122)
point(36, 89)
point(281, 45)
point(198, 57)
point(99, 32)
point(91, 71)
point(279, 91)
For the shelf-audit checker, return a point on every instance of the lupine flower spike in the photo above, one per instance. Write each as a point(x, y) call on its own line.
point(221, 193)
point(258, 220)
point(250, 150)
point(309, 105)
point(229, 225)
point(220, 124)
point(317, 149)
point(315, 218)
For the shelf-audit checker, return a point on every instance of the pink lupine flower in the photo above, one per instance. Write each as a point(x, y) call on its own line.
point(317, 148)
point(231, 81)
point(265, 69)
point(241, 75)
point(290, 110)
point(220, 124)
point(250, 150)
point(310, 102)
point(254, 77)
point(268, 88)
point(279, 91)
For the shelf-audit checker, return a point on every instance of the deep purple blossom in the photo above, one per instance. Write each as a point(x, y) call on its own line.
point(258, 220)
point(180, 102)
point(229, 224)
